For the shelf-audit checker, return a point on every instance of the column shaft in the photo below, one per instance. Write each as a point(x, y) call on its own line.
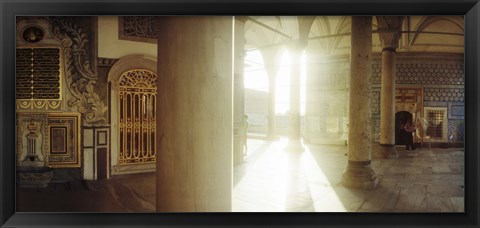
point(271, 106)
point(194, 114)
point(359, 173)
point(387, 98)
point(239, 121)
point(294, 120)
point(271, 60)
point(389, 35)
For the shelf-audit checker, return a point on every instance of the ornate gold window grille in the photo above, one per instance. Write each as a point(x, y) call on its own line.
point(137, 98)
point(435, 127)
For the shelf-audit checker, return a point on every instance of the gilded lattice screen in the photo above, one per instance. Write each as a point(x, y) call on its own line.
point(137, 98)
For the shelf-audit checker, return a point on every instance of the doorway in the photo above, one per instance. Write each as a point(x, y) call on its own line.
point(401, 117)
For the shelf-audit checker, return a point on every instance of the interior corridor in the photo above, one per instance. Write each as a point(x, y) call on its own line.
point(275, 179)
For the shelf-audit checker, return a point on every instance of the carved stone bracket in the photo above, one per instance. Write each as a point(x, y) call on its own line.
point(80, 77)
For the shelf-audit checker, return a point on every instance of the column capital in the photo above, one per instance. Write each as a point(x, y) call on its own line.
point(389, 39)
point(389, 30)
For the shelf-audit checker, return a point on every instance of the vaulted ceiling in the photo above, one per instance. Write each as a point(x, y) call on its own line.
point(330, 35)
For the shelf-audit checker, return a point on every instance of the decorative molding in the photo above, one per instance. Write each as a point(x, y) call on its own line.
point(38, 105)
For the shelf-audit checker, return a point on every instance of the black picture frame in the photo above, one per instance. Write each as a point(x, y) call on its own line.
point(11, 8)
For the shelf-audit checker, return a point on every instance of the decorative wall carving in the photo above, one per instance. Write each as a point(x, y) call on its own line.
point(138, 28)
point(80, 76)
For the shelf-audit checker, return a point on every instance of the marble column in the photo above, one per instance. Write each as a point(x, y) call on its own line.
point(295, 75)
point(271, 60)
point(194, 114)
point(359, 172)
point(389, 28)
point(239, 120)
point(389, 41)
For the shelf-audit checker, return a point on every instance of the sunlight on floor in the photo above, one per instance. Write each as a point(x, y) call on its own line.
point(320, 186)
point(280, 179)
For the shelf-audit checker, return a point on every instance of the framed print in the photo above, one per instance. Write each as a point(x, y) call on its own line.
point(310, 113)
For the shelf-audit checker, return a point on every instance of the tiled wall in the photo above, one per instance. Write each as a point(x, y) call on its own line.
point(442, 78)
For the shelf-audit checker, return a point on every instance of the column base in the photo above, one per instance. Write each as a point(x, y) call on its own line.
point(384, 151)
point(360, 175)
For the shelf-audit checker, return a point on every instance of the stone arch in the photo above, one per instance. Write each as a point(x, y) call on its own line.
point(123, 65)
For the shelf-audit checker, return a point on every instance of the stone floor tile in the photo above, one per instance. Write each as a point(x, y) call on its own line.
point(439, 204)
point(458, 204)
point(441, 169)
point(380, 200)
point(445, 191)
point(411, 199)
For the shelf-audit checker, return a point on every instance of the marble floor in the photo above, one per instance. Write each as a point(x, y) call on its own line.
point(277, 177)
point(274, 178)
